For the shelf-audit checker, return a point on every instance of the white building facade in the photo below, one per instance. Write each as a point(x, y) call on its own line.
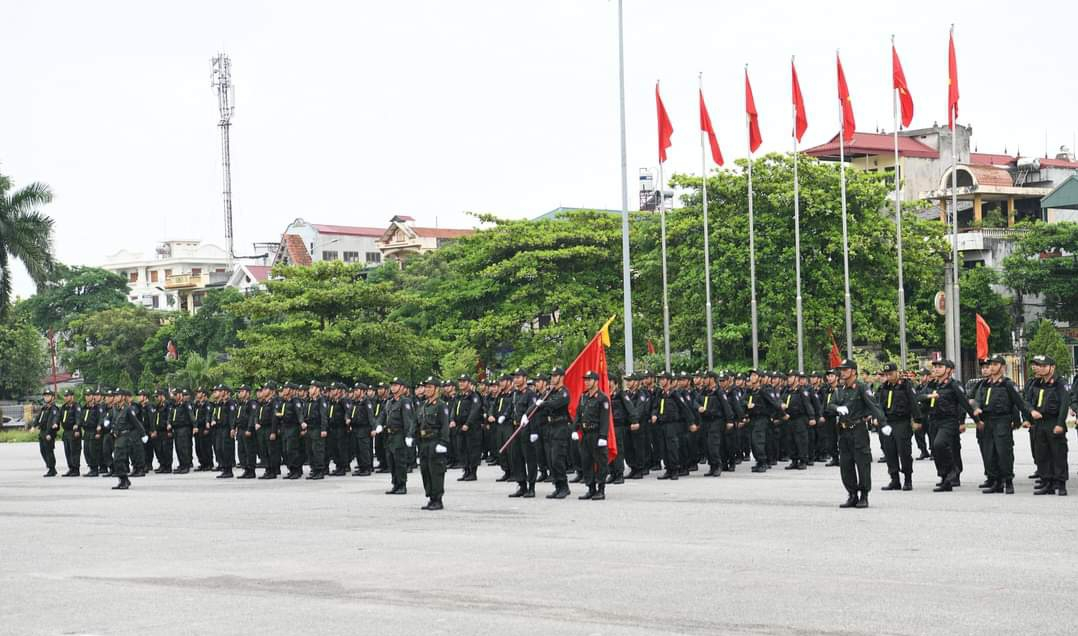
point(176, 277)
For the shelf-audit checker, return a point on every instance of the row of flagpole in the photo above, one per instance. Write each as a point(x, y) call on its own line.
point(708, 140)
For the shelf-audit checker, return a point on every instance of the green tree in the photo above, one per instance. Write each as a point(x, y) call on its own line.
point(214, 327)
point(106, 345)
point(70, 292)
point(22, 358)
point(197, 371)
point(25, 234)
point(1045, 261)
point(1047, 341)
point(979, 297)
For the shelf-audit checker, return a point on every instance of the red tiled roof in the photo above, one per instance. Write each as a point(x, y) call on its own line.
point(260, 272)
point(296, 250)
point(435, 232)
point(990, 159)
point(1059, 163)
point(874, 144)
point(348, 230)
point(991, 176)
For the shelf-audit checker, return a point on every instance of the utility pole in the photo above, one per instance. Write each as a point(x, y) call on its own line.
point(221, 81)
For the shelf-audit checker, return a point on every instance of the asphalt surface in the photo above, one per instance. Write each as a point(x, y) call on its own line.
point(742, 554)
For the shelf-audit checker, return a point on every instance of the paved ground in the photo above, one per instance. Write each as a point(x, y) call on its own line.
point(744, 554)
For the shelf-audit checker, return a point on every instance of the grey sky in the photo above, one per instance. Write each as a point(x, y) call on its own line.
point(352, 112)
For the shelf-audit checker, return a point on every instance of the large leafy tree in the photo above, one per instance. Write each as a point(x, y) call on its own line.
point(25, 234)
point(106, 345)
point(979, 296)
point(1045, 261)
point(22, 358)
point(1046, 341)
point(70, 292)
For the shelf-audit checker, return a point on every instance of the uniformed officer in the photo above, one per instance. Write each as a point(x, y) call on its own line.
point(921, 432)
point(800, 414)
point(200, 431)
point(48, 424)
point(91, 419)
point(552, 411)
point(155, 417)
point(268, 429)
point(223, 421)
point(468, 417)
point(129, 433)
point(944, 403)
point(71, 424)
point(899, 403)
point(432, 426)
point(999, 409)
point(716, 416)
point(399, 428)
point(523, 462)
point(593, 424)
point(668, 410)
point(246, 416)
point(360, 421)
point(108, 442)
point(500, 419)
point(1047, 400)
point(763, 407)
point(337, 442)
point(625, 415)
point(315, 429)
point(855, 407)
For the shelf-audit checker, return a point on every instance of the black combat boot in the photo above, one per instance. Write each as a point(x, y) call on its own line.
point(268, 475)
point(851, 501)
point(530, 494)
point(863, 501)
point(600, 493)
point(464, 475)
point(943, 486)
point(543, 476)
point(226, 473)
point(987, 483)
point(1061, 490)
point(123, 484)
point(471, 476)
point(93, 473)
point(1049, 488)
point(894, 485)
point(522, 489)
point(248, 473)
point(504, 477)
point(907, 483)
point(436, 504)
point(51, 473)
point(590, 493)
point(997, 486)
point(1008, 487)
point(317, 474)
point(578, 479)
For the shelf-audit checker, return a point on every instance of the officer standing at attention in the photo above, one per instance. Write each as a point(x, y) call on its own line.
point(201, 431)
point(360, 421)
point(400, 423)
point(48, 423)
point(593, 420)
point(1047, 400)
point(854, 405)
point(945, 404)
point(523, 463)
point(267, 429)
point(246, 412)
point(432, 424)
point(468, 416)
point(899, 403)
point(71, 423)
point(91, 419)
point(762, 407)
point(552, 411)
point(1000, 408)
point(129, 433)
point(316, 429)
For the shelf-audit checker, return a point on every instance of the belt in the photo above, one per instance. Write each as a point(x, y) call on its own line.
point(428, 433)
point(588, 427)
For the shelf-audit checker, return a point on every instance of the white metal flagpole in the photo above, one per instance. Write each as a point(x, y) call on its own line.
point(845, 234)
point(707, 248)
point(898, 238)
point(752, 253)
point(797, 245)
point(956, 314)
point(666, 300)
point(626, 283)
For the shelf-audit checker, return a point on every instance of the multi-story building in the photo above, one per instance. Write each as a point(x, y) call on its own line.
point(303, 243)
point(176, 277)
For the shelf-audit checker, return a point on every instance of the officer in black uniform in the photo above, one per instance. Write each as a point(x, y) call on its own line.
point(715, 415)
point(129, 433)
point(71, 425)
point(468, 416)
point(552, 409)
point(200, 430)
point(246, 415)
point(360, 421)
point(625, 415)
point(268, 429)
point(314, 428)
point(91, 419)
point(668, 413)
point(500, 420)
point(763, 407)
point(593, 422)
point(1047, 400)
point(899, 403)
point(944, 403)
point(523, 461)
point(48, 424)
point(399, 428)
point(855, 408)
point(797, 402)
point(999, 409)
point(432, 426)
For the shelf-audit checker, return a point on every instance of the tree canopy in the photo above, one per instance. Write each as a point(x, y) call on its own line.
point(25, 234)
point(1045, 261)
point(106, 345)
point(22, 358)
point(72, 291)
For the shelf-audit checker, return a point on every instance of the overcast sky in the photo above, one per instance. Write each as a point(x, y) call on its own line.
point(350, 113)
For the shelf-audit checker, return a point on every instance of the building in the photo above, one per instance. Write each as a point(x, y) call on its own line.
point(176, 277)
point(249, 278)
point(303, 243)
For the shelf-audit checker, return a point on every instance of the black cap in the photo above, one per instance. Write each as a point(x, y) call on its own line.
point(557, 371)
point(847, 364)
point(520, 372)
point(996, 358)
point(889, 367)
point(545, 377)
point(464, 377)
point(244, 387)
point(591, 375)
point(359, 385)
point(397, 380)
point(943, 363)
point(1044, 361)
point(431, 381)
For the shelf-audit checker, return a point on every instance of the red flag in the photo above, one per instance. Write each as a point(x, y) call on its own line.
point(651, 347)
point(835, 358)
point(666, 129)
point(983, 331)
point(905, 100)
point(848, 123)
point(801, 122)
point(952, 83)
point(750, 109)
point(705, 126)
point(592, 358)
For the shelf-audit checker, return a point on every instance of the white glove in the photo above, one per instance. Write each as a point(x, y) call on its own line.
point(533, 438)
point(842, 410)
point(108, 422)
point(145, 439)
point(441, 450)
point(501, 419)
point(523, 420)
point(886, 430)
point(378, 430)
point(539, 402)
point(602, 442)
point(408, 441)
point(575, 436)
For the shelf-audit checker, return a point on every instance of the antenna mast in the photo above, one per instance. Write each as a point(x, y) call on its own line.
point(221, 81)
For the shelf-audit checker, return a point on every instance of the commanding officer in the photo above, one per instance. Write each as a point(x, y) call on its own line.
point(944, 403)
point(854, 406)
point(1000, 408)
point(797, 402)
point(360, 421)
point(129, 433)
point(48, 423)
point(399, 428)
point(625, 415)
point(315, 429)
point(1047, 400)
point(432, 424)
point(70, 423)
point(201, 431)
point(267, 429)
point(91, 419)
point(762, 407)
point(552, 411)
point(246, 417)
point(668, 411)
point(899, 403)
point(593, 420)
point(468, 416)
point(523, 462)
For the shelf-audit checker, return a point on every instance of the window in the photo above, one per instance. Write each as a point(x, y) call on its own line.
point(196, 271)
point(374, 257)
point(153, 275)
point(155, 301)
point(168, 272)
point(196, 299)
point(220, 270)
point(351, 257)
point(329, 255)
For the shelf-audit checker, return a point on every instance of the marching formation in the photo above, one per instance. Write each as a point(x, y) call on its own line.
point(524, 428)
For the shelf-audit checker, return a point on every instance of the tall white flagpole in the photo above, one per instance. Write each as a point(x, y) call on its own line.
point(898, 238)
point(626, 281)
point(662, 231)
point(752, 252)
point(707, 248)
point(956, 314)
point(797, 244)
point(845, 233)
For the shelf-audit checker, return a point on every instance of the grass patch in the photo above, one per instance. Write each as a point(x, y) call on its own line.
point(9, 436)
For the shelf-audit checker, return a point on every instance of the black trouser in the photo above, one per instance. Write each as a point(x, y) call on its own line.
point(456, 450)
point(617, 467)
point(248, 448)
point(316, 448)
point(108, 445)
point(690, 444)
point(745, 440)
point(181, 438)
point(72, 449)
point(921, 436)
point(380, 451)
point(91, 449)
point(432, 469)
point(362, 439)
point(898, 447)
point(149, 450)
point(657, 435)
point(799, 440)
point(523, 458)
point(161, 445)
point(944, 448)
point(501, 435)
point(639, 441)
point(998, 448)
point(855, 458)
point(127, 448)
point(399, 457)
point(787, 446)
point(593, 458)
point(772, 434)
point(556, 445)
point(226, 448)
point(270, 450)
point(716, 438)
point(671, 430)
point(291, 442)
point(760, 427)
point(338, 447)
point(471, 446)
point(46, 443)
point(731, 444)
point(1051, 450)
point(812, 433)
point(203, 448)
point(825, 437)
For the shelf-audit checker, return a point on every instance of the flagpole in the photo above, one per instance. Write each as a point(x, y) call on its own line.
point(752, 252)
point(707, 248)
point(955, 315)
point(666, 301)
point(898, 238)
point(626, 280)
point(797, 246)
point(845, 233)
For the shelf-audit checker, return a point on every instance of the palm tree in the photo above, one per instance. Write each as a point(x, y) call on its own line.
point(25, 234)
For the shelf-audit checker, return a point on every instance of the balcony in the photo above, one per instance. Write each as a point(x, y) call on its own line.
point(185, 281)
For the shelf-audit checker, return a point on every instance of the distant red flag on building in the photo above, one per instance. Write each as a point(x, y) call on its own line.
point(705, 126)
point(848, 123)
point(593, 358)
point(905, 100)
point(983, 331)
point(666, 129)
point(801, 122)
point(750, 109)
point(952, 83)
point(835, 358)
